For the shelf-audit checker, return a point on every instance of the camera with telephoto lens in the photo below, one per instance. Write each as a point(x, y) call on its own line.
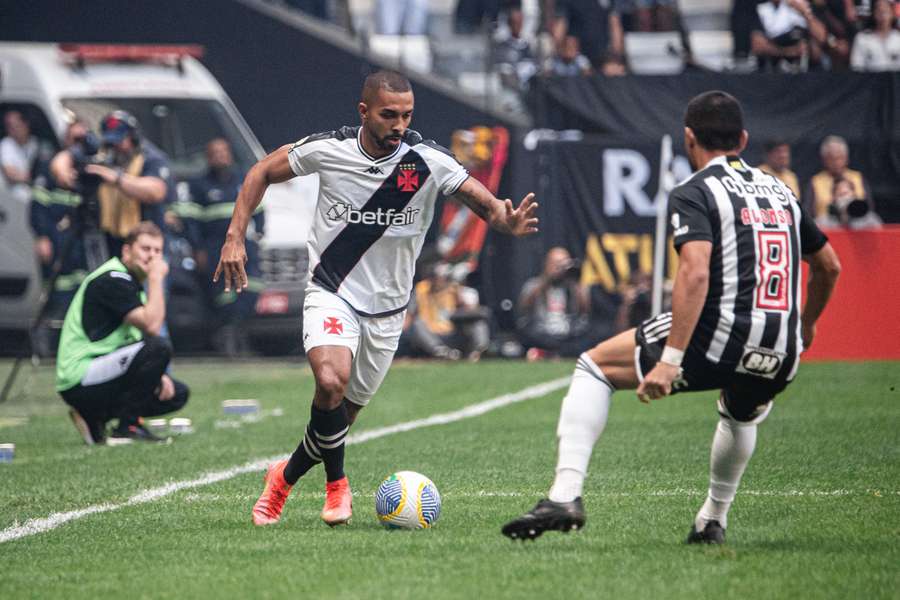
point(88, 150)
point(573, 271)
point(848, 211)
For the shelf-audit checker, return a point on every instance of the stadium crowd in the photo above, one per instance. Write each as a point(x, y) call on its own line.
point(584, 37)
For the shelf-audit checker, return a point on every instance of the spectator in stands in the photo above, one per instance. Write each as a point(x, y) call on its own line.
point(18, 149)
point(819, 195)
point(401, 17)
point(569, 61)
point(647, 15)
point(554, 309)
point(832, 52)
point(206, 218)
point(778, 163)
point(779, 34)
point(613, 65)
point(596, 23)
point(878, 49)
point(472, 14)
point(445, 319)
point(847, 210)
point(513, 56)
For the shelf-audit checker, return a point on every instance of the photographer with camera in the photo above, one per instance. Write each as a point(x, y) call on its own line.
point(112, 362)
point(554, 309)
point(846, 210)
point(854, 207)
point(128, 177)
point(55, 219)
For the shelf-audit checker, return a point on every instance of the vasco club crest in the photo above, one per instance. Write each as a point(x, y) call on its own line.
point(408, 177)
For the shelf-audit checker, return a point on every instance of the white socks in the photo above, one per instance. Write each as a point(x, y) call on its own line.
point(581, 421)
point(732, 447)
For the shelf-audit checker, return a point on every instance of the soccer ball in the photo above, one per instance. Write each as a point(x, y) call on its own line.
point(407, 500)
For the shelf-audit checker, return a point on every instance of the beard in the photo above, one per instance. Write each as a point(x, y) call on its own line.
point(384, 143)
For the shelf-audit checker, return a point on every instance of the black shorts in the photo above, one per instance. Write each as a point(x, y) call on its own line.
point(742, 393)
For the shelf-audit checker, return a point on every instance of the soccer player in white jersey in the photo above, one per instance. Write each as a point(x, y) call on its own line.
point(377, 189)
point(736, 324)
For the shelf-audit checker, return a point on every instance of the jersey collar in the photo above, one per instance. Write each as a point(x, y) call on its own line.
point(369, 156)
point(732, 160)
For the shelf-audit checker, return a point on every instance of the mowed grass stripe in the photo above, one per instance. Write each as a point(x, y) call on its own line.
point(35, 526)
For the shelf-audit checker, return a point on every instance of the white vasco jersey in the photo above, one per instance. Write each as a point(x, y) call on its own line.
point(372, 214)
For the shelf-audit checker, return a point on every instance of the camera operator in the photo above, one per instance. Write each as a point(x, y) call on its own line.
point(132, 177)
point(820, 199)
point(54, 218)
point(846, 210)
point(554, 309)
point(112, 362)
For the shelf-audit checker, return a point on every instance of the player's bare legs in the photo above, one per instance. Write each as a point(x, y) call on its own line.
point(330, 418)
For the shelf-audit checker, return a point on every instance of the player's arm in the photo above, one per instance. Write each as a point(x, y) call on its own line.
point(274, 168)
point(150, 317)
point(824, 269)
point(688, 297)
point(499, 214)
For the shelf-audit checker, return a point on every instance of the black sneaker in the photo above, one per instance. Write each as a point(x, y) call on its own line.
point(93, 432)
point(713, 533)
point(546, 516)
point(135, 432)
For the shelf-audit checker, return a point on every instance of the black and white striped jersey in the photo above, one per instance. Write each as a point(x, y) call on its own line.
point(751, 318)
point(372, 214)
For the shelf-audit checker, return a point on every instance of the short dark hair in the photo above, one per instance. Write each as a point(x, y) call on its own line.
point(773, 143)
point(143, 228)
point(717, 120)
point(391, 81)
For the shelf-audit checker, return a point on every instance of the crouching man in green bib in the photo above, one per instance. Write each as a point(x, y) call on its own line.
point(112, 362)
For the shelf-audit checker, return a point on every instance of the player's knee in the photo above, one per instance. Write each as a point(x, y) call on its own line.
point(330, 385)
point(157, 348)
point(182, 393)
point(743, 413)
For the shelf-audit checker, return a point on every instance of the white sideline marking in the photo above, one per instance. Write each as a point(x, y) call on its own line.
point(35, 526)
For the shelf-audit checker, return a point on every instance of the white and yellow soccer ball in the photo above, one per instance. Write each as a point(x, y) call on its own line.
point(407, 500)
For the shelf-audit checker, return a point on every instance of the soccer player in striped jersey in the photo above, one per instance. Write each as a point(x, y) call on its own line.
point(377, 188)
point(736, 323)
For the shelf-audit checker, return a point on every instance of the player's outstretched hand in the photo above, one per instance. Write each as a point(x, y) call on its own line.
point(658, 382)
point(522, 220)
point(231, 266)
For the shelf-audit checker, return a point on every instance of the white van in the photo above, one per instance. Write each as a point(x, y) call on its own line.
point(180, 107)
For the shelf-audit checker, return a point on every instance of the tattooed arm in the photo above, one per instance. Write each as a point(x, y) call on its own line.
point(499, 214)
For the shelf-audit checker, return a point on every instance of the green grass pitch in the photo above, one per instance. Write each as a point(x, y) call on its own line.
point(817, 515)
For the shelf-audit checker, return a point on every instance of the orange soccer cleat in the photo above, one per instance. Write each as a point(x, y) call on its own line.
point(267, 509)
point(338, 502)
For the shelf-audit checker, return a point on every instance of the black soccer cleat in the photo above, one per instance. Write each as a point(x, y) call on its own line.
point(713, 533)
point(547, 516)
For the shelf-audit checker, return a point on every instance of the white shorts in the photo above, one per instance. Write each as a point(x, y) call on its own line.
point(329, 321)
